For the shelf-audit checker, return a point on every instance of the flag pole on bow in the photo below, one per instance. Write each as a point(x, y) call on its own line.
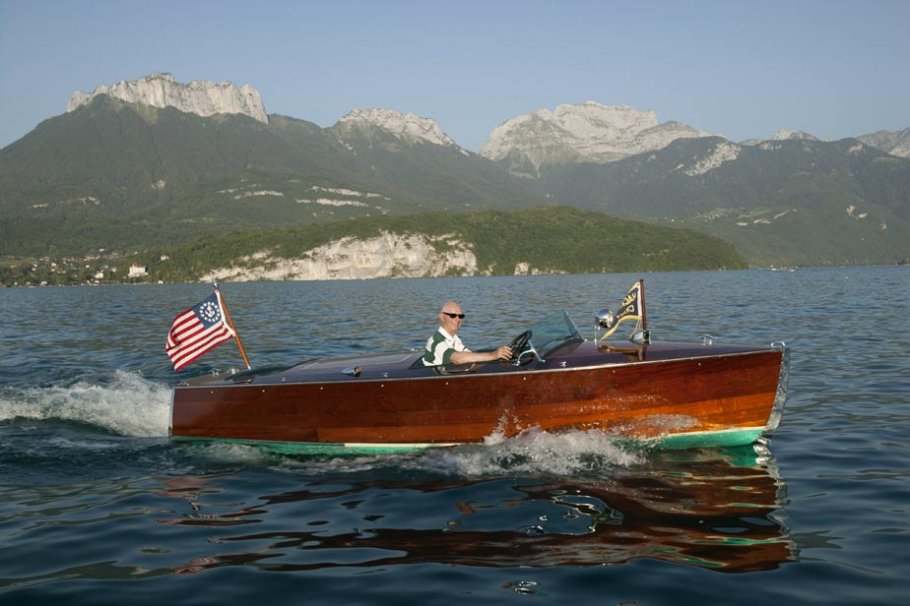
point(230, 321)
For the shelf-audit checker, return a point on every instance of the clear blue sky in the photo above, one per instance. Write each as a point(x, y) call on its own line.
point(739, 68)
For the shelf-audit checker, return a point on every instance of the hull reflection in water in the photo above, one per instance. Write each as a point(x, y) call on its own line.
point(709, 509)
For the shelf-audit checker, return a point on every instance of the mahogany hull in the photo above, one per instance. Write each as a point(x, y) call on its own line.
point(652, 392)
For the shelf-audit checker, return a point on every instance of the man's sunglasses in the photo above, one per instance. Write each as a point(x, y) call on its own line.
point(453, 316)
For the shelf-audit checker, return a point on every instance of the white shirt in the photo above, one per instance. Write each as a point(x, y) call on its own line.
point(440, 348)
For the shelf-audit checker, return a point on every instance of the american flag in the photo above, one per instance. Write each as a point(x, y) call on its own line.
point(196, 331)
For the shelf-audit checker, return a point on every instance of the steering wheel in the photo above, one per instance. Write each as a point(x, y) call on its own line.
point(518, 343)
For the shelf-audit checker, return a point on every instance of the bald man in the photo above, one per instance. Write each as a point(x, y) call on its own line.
point(445, 347)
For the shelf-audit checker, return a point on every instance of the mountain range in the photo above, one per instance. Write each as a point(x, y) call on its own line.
point(155, 163)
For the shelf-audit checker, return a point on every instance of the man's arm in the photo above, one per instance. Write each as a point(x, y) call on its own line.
point(466, 357)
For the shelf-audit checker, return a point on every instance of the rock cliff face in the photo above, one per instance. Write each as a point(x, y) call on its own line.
point(587, 132)
point(723, 151)
point(410, 127)
point(202, 98)
point(895, 143)
point(386, 256)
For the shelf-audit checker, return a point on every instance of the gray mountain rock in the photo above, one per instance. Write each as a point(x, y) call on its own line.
point(895, 143)
point(202, 98)
point(587, 132)
point(409, 127)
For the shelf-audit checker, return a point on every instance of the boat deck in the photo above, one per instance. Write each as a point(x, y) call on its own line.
point(406, 365)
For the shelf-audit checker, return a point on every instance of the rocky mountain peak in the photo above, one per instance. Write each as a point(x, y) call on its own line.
point(585, 132)
point(203, 98)
point(405, 126)
point(786, 134)
point(895, 143)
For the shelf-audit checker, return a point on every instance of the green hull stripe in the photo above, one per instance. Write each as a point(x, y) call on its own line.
point(713, 439)
point(682, 441)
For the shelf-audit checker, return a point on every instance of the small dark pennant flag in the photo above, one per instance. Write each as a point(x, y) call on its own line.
point(197, 331)
point(629, 309)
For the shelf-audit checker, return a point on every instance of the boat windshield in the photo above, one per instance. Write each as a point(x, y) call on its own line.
point(552, 332)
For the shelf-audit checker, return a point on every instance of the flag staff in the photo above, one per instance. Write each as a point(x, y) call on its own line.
point(644, 313)
point(227, 316)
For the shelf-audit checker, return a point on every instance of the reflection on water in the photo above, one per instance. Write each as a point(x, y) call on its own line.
point(717, 510)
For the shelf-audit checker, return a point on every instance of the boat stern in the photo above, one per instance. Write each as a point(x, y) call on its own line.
point(780, 398)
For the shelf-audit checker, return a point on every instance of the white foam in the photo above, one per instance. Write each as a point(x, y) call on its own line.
point(226, 452)
point(532, 451)
point(126, 404)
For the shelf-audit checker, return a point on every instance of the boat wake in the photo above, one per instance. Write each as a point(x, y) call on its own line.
point(532, 452)
point(121, 403)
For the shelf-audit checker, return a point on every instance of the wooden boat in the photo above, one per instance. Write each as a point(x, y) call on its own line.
point(677, 395)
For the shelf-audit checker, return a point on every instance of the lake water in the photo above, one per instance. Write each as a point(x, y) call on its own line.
point(97, 506)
